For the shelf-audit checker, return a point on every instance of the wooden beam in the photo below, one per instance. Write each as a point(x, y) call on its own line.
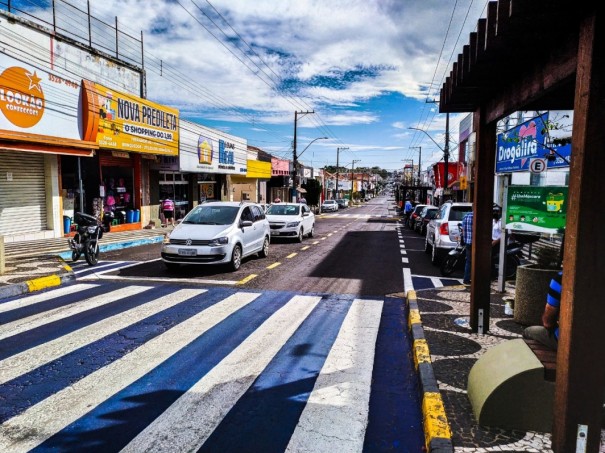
point(580, 384)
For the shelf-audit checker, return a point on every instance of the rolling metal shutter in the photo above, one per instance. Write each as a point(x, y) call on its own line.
point(22, 193)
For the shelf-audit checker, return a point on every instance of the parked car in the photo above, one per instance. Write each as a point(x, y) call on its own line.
point(291, 220)
point(342, 203)
point(218, 233)
point(442, 231)
point(329, 206)
point(414, 214)
point(428, 212)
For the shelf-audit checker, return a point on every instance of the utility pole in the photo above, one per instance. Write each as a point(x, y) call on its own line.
point(294, 156)
point(419, 148)
point(337, 165)
point(352, 173)
point(446, 153)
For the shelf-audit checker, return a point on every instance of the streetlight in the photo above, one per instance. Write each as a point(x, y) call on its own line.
point(310, 143)
point(338, 150)
point(296, 162)
point(445, 151)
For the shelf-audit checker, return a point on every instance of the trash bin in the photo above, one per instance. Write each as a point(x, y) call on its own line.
point(137, 215)
point(66, 224)
point(129, 216)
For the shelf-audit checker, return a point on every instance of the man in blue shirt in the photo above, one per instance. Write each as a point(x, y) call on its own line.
point(407, 210)
point(548, 332)
point(467, 236)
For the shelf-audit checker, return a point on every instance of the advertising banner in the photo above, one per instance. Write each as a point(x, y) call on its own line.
point(124, 122)
point(34, 101)
point(205, 150)
point(529, 140)
point(534, 208)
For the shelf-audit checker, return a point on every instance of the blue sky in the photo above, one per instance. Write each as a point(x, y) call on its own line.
point(366, 67)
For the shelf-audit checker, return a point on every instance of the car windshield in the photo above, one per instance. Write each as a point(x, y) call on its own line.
point(283, 209)
point(329, 202)
point(209, 214)
point(458, 212)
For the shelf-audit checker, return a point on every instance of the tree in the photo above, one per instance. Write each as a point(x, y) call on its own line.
point(313, 188)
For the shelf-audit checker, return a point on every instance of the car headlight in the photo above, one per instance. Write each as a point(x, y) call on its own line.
point(219, 241)
point(292, 224)
point(167, 239)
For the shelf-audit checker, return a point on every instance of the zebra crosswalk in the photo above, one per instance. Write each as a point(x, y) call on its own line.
point(110, 366)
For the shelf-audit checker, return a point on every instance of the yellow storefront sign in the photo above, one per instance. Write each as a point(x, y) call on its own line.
point(120, 121)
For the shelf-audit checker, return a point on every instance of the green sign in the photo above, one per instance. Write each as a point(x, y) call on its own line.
point(539, 209)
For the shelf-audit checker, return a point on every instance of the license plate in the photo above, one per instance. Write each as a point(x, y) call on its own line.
point(187, 252)
point(275, 233)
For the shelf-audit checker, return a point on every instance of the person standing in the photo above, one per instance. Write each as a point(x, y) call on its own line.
point(467, 236)
point(407, 210)
point(168, 209)
point(302, 199)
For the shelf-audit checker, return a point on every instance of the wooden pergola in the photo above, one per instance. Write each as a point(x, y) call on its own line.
point(546, 55)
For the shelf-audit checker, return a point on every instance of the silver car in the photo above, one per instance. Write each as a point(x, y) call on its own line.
point(442, 231)
point(329, 206)
point(294, 220)
point(218, 233)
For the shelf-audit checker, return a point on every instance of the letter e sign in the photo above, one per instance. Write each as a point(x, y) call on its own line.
point(537, 165)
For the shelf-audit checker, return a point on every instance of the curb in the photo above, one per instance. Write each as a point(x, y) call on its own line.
point(437, 432)
point(40, 283)
point(109, 247)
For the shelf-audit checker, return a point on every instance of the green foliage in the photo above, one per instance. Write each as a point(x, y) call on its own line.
point(313, 188)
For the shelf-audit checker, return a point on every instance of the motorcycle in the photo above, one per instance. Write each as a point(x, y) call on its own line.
point(86, 239)
point(455, 259)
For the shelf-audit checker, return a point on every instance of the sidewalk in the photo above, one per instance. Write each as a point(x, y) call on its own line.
point(35, 265)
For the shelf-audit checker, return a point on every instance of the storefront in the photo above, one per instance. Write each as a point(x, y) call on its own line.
point(253, 185)
point(280, 181)
point(212, 158)
point(130, 132)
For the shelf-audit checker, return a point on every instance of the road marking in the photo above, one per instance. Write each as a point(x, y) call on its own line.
point(306, 247)
point(407, 279)
point(403, 252)
point(342, 389)
point(292, 255)
point(405, 260)
point(436, 281)
point(247, 279)
point(191, 419)
point(330, 234)
point(274, 265)
point(196, 281)
point(315, 242)
point(323, 239)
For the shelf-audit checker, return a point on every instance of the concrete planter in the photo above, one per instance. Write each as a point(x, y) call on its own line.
point(531, 288)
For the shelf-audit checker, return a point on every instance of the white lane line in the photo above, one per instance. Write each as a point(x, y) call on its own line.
point(64, 407)
point(403, 251)
point(336, 414)
point(408, 284)
point(32, 322)
point(43, 297)
point(190, 420)
point(404, 260)
point(197, 281)
point(31, 359)
point(436, 281)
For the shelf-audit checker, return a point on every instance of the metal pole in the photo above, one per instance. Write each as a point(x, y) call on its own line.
point(294, 156)
point(80, 185)
point(446, 153)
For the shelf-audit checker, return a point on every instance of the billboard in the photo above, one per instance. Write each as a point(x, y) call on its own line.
point(540, 209)
point(531, 139)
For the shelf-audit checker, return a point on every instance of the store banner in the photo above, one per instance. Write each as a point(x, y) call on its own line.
point(541, 209)
point(121, 121)
point(205, 150)
point(259, 170)
point(529, 140)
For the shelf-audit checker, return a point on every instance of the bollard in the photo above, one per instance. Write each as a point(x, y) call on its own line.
point(2, 259)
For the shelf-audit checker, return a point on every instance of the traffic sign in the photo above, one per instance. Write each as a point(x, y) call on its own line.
point(537, 165)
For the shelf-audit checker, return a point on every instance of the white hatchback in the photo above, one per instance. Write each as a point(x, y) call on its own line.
point(291, 220)
point(218, 233)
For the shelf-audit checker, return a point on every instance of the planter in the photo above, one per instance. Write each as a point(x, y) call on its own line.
point(531, 289)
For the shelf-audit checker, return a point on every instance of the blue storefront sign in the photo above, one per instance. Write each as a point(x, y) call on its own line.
point(517, 146)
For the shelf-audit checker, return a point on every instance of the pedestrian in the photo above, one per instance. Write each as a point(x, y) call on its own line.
point(302, 199)
point(407, 210)
point(466, 227)
point(548, 333)
point(277, 200)
point(168, 209)
point(496, 228)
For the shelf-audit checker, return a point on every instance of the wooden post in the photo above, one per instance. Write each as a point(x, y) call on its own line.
point(482, 222)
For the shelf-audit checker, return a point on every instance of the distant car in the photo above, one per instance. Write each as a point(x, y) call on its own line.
point(414, 214)
point(442, 231)
point(218, 233)
point(291, 220)
point(427, 213)
point(329, 206)
point(342, 203)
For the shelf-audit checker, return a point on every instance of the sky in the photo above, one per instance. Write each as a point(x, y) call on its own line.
point(368, 69)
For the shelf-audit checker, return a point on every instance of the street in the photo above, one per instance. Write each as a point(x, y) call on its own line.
point(306, 350)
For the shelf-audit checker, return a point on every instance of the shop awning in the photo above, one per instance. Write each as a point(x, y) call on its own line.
point(19, 141)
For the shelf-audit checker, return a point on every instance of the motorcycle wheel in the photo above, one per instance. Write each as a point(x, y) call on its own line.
point(92, 254)
point(75, 255)
point(448, 265)
point(511, 267)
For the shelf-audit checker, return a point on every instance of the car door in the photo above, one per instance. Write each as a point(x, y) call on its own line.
point(260, 229)
point(249, 233)
point(307, 218)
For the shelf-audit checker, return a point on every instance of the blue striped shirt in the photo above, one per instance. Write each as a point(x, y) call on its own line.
point(554, 295)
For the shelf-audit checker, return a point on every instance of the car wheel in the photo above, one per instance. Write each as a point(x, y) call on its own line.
point(236, 258)
point(300, 236)
point(264, 253)
point(434, 256)
point(312, 232)
point(427, 246)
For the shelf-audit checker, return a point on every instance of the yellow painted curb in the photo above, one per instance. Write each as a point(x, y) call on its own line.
point(43, 282)
point(414, 317)
point(247, 279)
point(421, 352)
point(435, 420)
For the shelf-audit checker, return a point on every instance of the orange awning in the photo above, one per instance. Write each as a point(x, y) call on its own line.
point(19, 141)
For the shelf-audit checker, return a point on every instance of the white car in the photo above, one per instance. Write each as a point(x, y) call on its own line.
point(218, 233)
point(291, 220)
point(329, 206)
